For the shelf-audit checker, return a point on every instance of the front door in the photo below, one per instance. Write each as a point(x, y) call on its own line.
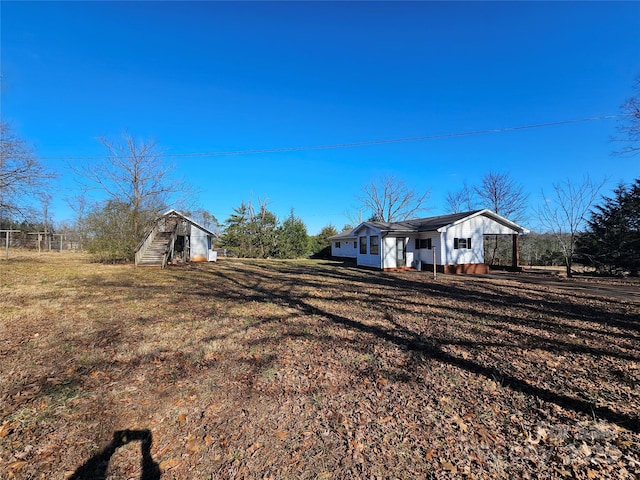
point(400, 252)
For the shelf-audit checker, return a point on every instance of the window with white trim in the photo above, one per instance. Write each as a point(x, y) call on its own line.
point(363, 245)
point(373, 245)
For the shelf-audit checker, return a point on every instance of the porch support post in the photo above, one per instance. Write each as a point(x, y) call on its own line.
point(515, 251)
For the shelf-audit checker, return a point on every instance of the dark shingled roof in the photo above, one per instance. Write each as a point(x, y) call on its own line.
point(429, 224)
point(345, 234)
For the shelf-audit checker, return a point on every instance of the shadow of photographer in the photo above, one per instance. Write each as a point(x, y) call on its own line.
point(96, 467)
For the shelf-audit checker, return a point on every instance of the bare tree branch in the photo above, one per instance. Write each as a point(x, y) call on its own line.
point(462, 200)
point(630, 128)
point(564, 213)
point(133, 173)
point(503, 195)
point(22, 176)
point(390, 200)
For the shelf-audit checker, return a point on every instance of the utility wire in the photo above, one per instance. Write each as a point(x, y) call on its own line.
point(358, 144)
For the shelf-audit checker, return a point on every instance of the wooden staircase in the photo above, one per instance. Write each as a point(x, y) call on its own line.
point(153, 255)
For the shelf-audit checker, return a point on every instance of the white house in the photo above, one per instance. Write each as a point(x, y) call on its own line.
point(455, 242)
point(344, 245)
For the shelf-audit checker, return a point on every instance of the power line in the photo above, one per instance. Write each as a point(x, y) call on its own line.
point(358, 144)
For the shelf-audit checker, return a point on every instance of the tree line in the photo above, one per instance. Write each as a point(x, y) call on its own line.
point(136, 185)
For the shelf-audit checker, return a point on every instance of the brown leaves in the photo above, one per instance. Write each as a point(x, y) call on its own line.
point(449, 467)
point(169, 464)
point(6, 429)
point(306, 370)
point(194, 444)
point(460, 423)
point(17, 466)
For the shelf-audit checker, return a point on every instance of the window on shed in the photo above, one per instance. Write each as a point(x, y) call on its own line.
point(355, 244)
point(337, 244)
point(373, 245)
point(459, 243)
point(363, 245)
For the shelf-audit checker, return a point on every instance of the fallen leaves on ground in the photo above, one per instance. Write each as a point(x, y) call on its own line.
point(276, 369)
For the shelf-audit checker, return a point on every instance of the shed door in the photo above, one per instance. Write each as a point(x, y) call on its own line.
point(400, 252)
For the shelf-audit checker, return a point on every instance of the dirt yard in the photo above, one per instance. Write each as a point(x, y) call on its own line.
point(312, 370)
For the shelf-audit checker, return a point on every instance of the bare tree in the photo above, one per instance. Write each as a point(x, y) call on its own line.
point(462, 200)
point(630, 128)
point(133, 173)
point(390, 200)
point(21, 174)
point(563, 214)
point(45, 203)
point(79, 204)
point(206, 219)
point(501, 194)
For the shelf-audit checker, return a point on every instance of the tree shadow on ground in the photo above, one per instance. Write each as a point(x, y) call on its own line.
point(249, 286)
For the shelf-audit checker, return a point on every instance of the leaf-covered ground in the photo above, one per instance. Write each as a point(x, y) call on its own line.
point(306, 369)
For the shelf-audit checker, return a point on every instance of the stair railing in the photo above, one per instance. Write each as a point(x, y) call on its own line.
point(169, 250)
point(144, 243)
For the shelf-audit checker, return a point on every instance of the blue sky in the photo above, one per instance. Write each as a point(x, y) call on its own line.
point(216, 77)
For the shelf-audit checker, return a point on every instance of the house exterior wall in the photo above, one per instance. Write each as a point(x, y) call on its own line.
point(473, 229)
point(389, 252)
point(413, 257)
point(425, 255)
point(490, 227)
point(367, 259)
point(464, 258)
point(199, 245)
point(346, 248)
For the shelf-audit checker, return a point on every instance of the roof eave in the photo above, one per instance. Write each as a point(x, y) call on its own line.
point(488, 213)
point(191, 221)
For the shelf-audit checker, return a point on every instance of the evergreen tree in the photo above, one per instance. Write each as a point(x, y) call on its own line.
point(292, 238)
point(612, 242)
point(320, 245)
point(263, 228)
point(249, 234)
point(236, 236)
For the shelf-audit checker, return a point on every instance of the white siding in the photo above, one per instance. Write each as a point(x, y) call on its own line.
point(473, 229)
point(346, 248)
point(366, 259)
point(425, 255)
point(442, 243)
point(199, 247)
point(490, 227)
point(389, 251)
point(413, 255)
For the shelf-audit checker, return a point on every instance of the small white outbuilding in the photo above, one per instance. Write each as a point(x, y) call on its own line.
point(455, 242)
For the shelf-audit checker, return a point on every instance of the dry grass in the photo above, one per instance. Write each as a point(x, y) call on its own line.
point(280, 369)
